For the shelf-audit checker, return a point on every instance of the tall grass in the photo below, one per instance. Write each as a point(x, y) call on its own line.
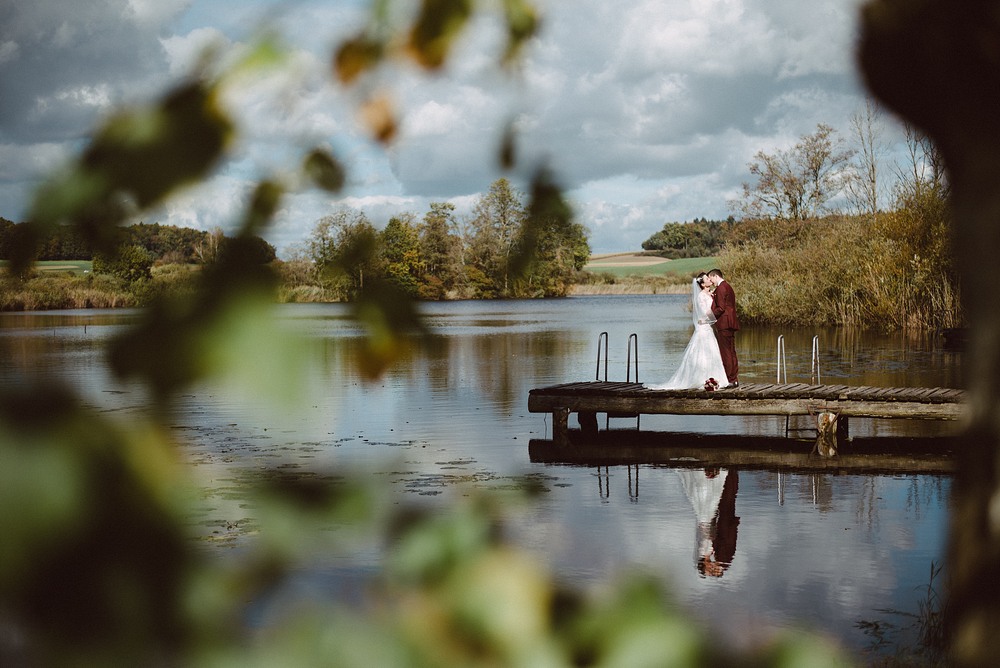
point(43, 291)
point(852, 271)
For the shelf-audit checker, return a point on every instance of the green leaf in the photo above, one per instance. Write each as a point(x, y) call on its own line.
point(436, 28)
point(324, 170)
point(522, 25)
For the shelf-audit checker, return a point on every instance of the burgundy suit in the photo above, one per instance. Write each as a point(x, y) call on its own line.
point(726, 325)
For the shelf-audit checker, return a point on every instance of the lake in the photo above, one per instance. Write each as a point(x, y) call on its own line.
point(823, 551)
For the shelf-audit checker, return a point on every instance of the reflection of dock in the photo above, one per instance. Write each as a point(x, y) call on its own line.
point(587, 399)
point(682, 449)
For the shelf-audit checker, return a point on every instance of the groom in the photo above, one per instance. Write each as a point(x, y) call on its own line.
point(726, 325)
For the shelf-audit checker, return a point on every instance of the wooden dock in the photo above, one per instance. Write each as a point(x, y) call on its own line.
point(841, 402)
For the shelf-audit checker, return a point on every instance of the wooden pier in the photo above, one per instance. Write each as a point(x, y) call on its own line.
point(831, 405)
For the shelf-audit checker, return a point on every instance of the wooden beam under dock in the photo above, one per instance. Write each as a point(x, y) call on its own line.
point(617, 447)
point(589, 398)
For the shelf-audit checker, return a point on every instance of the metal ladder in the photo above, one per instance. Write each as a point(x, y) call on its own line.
point(782, 375)
point(633, 343)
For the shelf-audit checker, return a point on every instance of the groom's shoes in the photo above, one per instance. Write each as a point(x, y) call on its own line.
point(732, 386)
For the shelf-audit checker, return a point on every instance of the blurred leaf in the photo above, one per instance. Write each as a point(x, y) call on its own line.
point(547, 210)
point(428, 547)
point(266, 51)
point(391, 320)
point(147, 153)
point(502, 598)
point(324, 170)
point(135, 160)
point(355, 57)
point(522, 25)
point(634, 626)
point(95, 556)
point(263, 205)
point(437, 26)
point(508, 147)
point(378, 115)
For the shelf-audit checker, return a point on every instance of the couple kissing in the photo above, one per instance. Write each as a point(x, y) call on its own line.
point(710, 355)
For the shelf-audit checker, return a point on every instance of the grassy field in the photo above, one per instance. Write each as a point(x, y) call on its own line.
point(60, 266)
point(620, 265)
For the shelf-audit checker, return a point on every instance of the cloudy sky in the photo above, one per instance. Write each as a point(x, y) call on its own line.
point(648, 111)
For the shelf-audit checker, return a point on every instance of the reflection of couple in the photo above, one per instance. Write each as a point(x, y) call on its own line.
point(711, 352)
point(712, 494)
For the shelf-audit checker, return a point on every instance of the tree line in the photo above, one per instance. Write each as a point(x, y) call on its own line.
point(699, 238)
point(494, 253)
point(163, 244)
point(497, 252)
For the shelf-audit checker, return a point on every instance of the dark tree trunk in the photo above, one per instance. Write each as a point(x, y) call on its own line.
point(937, 64)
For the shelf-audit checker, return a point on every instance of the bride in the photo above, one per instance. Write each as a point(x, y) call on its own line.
point(701, 360)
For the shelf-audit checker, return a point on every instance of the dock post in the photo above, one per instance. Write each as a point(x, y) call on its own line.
point(560, 426)
point(588, 422)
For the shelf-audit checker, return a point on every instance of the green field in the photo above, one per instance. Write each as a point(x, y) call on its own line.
point(60, 266)
point(683, 267)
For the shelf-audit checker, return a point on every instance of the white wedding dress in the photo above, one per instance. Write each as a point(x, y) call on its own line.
point(702, 359)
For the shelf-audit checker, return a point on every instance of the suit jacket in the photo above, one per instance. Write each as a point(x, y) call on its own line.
point(724, 307)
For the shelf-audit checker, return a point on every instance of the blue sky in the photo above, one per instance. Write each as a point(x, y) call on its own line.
point(647, 111)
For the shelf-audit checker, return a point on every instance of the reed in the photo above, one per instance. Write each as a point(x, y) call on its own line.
point(41, 293)
point(843, 271)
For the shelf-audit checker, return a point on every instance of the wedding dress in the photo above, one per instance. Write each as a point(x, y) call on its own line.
point(702, 359)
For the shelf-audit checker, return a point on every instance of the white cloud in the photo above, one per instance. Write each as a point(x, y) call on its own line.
point(9, 51)
point(647, 112)
point(35, 160)
point(185, 51)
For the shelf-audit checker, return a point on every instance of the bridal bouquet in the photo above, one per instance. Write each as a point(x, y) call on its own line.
point(711, 385)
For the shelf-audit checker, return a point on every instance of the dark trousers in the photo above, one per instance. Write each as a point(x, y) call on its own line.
point(727, 347)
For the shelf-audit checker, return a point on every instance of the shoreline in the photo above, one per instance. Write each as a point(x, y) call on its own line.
point(627, 289)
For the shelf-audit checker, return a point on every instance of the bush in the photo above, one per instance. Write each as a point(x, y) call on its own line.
point(844, 271)
point(129, 263)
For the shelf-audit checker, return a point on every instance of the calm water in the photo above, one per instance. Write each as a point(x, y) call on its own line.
point(820, 551)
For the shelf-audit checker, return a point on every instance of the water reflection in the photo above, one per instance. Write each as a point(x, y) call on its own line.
point(712, 494)
point(454, 415)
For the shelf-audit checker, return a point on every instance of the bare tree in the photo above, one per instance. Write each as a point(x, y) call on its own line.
point(798, 183)
point(925, 165)
point(865, 189)
point(207, 250)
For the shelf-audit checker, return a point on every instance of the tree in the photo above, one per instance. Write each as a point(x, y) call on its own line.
point(558, 254)
point(343, 247)
point(399, 246)
point(249, 250)
point(930, 63)
point(924, 173)
point(797, 183)
point(864, 187)
point(130, 263)
point(441, 250)
point(496, 225)
point(207, 248)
